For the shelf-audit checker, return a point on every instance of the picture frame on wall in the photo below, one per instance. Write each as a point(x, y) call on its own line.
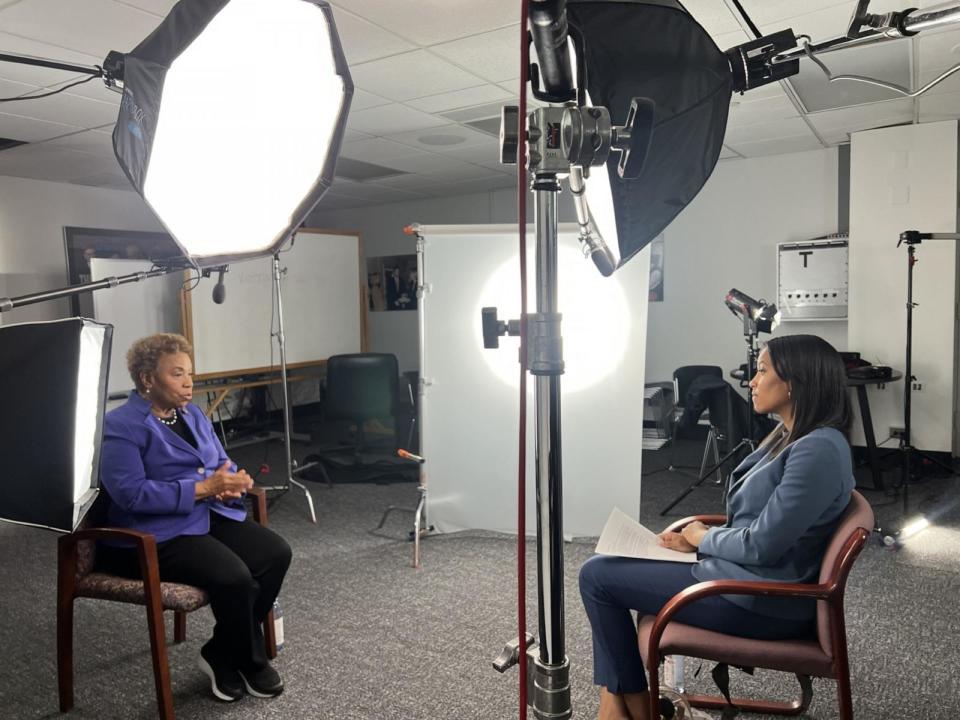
point(392, 283)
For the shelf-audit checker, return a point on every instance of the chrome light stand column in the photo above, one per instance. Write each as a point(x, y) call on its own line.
point(281, 342)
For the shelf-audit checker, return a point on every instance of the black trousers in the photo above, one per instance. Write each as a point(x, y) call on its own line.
point(240, 565)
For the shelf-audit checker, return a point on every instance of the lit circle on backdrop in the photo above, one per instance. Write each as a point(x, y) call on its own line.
point(595, 325)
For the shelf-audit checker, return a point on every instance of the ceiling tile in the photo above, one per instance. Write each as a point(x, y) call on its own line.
point(943, 106)
point(94, 27)
point(772, 130)
point(487, 153)
point(363, 100)
point(427, 22)
point(411, 75)
point(434, 139)
point(748, 108)
point(727, 154)
point(376, 150)
point(38, 75)
point(457, 99)
point(494, 56)
point(95, 142)
point(161, 8)
point(391, 119)
point(363, 41)
point(835, 126)
point(66, 109)
point(30, 129)
point(439, 166)
point(799, 143)
point(713, 15)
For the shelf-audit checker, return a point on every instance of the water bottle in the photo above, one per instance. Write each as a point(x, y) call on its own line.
point(673, 672)
point(278, 624)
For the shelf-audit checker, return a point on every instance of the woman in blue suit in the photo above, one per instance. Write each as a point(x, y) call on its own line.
point(167, 474)
point(784, 503)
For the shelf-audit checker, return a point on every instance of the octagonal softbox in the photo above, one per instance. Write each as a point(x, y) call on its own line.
point(231, 121)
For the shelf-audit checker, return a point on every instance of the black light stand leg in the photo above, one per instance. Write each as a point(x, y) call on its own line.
point(746, 442)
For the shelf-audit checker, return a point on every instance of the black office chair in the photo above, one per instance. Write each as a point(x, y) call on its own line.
point(361, 389)
point(683, 378)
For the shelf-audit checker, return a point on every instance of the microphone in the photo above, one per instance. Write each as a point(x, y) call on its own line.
point(220, 290)
point(406, 455)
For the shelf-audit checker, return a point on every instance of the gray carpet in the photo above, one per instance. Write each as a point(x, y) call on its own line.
point(368, 637)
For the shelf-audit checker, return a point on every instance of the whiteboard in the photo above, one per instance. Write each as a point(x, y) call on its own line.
point(469, 406)
point(135, 310)
point(322, 308)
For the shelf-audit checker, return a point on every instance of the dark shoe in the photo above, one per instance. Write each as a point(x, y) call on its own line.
point(264, 683)
point(225, 682)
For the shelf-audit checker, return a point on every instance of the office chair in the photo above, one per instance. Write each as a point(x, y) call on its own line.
point(361, 388)
point(823, 656)
point(683, 378)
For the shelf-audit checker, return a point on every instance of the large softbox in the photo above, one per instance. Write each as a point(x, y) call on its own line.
point(53, 377)
point(231, 121)
point(654, 49)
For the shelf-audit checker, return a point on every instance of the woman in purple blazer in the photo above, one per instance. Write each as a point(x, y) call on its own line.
point(167, 474)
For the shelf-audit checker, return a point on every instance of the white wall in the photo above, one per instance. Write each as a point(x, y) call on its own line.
point(727, 238)
point(381, 232)
point(905, 178)
point(33, 214)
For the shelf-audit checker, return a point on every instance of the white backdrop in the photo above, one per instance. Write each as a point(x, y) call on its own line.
point(470, 413)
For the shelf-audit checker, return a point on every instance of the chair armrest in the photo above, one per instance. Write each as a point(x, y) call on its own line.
point(729, 587)
point(259, 498)
point(705, 519)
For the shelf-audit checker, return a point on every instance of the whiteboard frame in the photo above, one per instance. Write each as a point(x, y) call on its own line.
point(186, 315)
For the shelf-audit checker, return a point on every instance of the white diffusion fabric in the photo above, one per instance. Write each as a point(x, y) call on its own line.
point(471, 404)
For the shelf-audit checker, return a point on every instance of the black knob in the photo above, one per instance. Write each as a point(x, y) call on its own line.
point(509, 134)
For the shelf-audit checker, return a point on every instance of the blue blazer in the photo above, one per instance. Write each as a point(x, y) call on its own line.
point(151, 473)
point(781, 514)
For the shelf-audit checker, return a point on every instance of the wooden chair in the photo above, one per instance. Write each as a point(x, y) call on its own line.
point(825, 656)
point(76, 578)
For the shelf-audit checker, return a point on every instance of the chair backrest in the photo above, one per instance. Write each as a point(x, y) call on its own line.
point(96, 517)
point(361, 386)
point(858, 514)
point(683, 376)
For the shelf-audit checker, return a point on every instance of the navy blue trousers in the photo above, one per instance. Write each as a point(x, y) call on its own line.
point(613, 586)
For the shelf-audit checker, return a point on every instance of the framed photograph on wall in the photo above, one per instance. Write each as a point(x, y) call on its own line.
point(392, 282)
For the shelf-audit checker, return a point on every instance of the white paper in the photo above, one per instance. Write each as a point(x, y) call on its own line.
point(625, 537)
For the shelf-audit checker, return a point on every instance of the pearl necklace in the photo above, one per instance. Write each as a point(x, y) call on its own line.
point(169, 422)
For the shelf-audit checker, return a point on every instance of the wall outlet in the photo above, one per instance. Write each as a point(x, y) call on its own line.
point(897, 432)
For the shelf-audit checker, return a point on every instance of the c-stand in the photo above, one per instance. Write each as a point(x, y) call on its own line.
point(911, 238)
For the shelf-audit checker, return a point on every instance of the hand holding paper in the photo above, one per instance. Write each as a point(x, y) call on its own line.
point(625, 537)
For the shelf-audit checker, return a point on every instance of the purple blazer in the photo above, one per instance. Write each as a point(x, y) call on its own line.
point(150, 472)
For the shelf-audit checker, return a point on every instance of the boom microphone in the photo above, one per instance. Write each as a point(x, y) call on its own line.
point(220, 290)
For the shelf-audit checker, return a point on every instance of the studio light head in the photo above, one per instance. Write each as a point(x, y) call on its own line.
point(231, 122)
point(757, 315)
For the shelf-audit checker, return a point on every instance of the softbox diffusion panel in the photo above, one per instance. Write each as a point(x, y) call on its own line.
point(636, 48)
point(54, 378)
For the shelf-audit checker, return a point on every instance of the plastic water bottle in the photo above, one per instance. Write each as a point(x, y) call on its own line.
point(673, 672)
point(278, 624)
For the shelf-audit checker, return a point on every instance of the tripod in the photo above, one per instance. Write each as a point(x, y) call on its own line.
point(912, 238)
point(750, 335)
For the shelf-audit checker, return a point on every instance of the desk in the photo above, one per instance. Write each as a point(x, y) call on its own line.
point(861, 385)
point(224, 389)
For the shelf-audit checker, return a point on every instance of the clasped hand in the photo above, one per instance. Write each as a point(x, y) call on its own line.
point(687, 540)
point(225, 484)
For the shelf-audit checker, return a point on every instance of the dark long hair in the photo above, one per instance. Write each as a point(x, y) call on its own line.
point(818, 386)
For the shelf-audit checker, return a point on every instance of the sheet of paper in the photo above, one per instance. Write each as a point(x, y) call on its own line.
point(625, 537)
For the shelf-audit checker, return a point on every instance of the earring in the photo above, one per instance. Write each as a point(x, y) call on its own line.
point(147, 391)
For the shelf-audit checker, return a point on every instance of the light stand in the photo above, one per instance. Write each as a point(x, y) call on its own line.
point(912, 238)
point(290, 467)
